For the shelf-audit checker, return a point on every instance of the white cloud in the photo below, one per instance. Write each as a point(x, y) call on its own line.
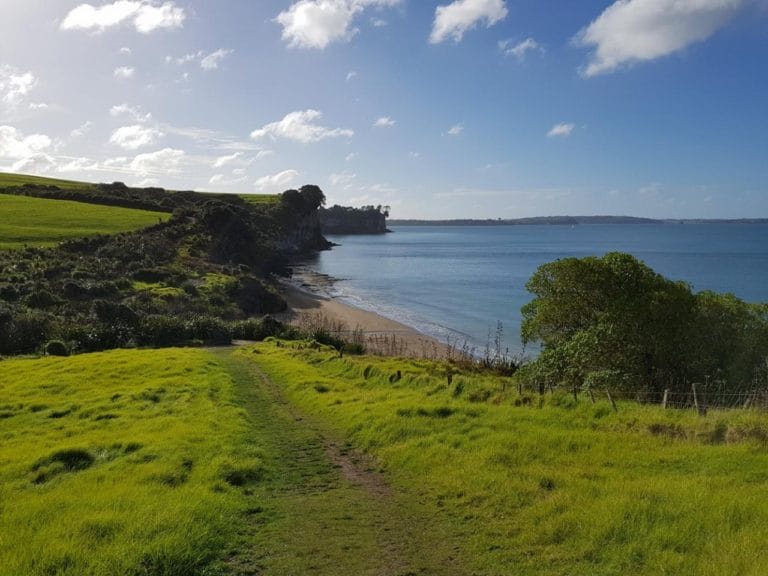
point(317, 23)
point(378, 22)
point(125, 51)
point(275, 181)
point(39, 106)
point(384, 122)
point(131, 112)
point(351, 75)
point(562, 130)
point(14, 145)
point(632, 31)
point(78, 165)
point(342, 180)
point(165, 161)
point(15, 85)
point(134, 137)
point(222, 161)
point(298, 126)
point(521, 49)
point(34, 164)
point(455, 130)
point(124, 72)
point(453, 20)
point(351, 156)
point(82, 130)
point(212, 60)
point(145, 15)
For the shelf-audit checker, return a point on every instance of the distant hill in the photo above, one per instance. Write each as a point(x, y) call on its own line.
point(8, 180)
point(571, 221)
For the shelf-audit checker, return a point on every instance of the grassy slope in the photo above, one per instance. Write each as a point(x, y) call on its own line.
point(7, 180)
point(551, 489)
point(164, 434)
point(260, 198)
point(42, 222)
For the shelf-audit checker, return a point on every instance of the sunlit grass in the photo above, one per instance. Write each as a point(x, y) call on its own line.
point(119, 463)
point(260, 198)
point(548, 487)
point(7, 180)
point(43, 222)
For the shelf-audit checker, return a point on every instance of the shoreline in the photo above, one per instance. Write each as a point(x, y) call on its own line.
point(381, 335)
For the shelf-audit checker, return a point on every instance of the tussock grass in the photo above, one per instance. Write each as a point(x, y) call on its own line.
point(548, 486)
point(42, 222)
point(126, 462)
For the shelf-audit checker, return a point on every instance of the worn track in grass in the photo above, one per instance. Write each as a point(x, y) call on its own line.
point(324, 509)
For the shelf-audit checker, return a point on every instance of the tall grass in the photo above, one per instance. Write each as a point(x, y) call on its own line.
point(545, 485)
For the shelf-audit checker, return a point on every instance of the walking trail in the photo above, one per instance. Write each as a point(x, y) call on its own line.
point(324, 508)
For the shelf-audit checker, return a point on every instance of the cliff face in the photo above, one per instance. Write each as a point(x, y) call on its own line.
point(305, 235)
point(344, 220)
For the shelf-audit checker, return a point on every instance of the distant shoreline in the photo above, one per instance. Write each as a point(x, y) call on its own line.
point(572, 221)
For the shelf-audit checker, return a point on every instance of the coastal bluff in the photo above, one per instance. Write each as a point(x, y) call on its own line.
point(345, 220)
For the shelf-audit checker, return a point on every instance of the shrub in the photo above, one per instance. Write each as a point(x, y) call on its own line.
point(161, 331)
point(209, 329)
point(56, 348)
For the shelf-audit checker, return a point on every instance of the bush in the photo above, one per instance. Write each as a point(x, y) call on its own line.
point(161, 331)
point(257, 330)
point(56, 348)
point(209, 329)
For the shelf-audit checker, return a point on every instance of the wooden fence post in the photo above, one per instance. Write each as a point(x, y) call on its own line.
point(610, 399)
point(591, 396)
point(666, 397)
point(700, 408)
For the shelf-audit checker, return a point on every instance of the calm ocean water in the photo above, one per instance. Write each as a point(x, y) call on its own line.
point(459, 281)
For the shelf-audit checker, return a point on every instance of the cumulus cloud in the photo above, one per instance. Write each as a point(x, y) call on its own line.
point(124, 73)
point(632, 31)
point(132, 112)
point(520, 50)
point(15, 86)
point(146, 16)
point(384, 122)
point(274, 182)
point(453, 20)
point(165, 161)
point(299, 127)
point(562, 130)
point(318, 23)
point(455, 130)
point(134, 137)
point(14, 145)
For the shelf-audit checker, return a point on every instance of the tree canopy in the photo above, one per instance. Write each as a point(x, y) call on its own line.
point(614, 319)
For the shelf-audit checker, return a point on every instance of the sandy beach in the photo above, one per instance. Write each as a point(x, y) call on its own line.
point(381, 335)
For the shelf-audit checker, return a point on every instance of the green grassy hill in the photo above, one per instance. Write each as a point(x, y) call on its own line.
point(283, 458)
point(257, 199)
point(41, 222)
point(7, 180)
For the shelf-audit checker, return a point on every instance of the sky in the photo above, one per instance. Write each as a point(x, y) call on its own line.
point(439, 109)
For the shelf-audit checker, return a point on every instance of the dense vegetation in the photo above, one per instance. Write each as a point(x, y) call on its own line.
point(40, 223)
point(613, 322)
point(199, 275)
point(12, 180)
point(346, 220)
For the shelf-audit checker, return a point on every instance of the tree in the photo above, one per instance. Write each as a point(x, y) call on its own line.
point(609, 314)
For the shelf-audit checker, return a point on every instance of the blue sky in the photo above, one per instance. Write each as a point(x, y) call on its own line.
point(441, 109)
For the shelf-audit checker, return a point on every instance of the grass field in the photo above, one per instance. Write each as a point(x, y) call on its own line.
point(554, 489)
point(260, 198)
point(120, 463)
point(42, 222)
point(285, 460)
point(7, 180)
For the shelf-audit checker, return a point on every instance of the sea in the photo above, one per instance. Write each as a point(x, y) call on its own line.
point(457, 283)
